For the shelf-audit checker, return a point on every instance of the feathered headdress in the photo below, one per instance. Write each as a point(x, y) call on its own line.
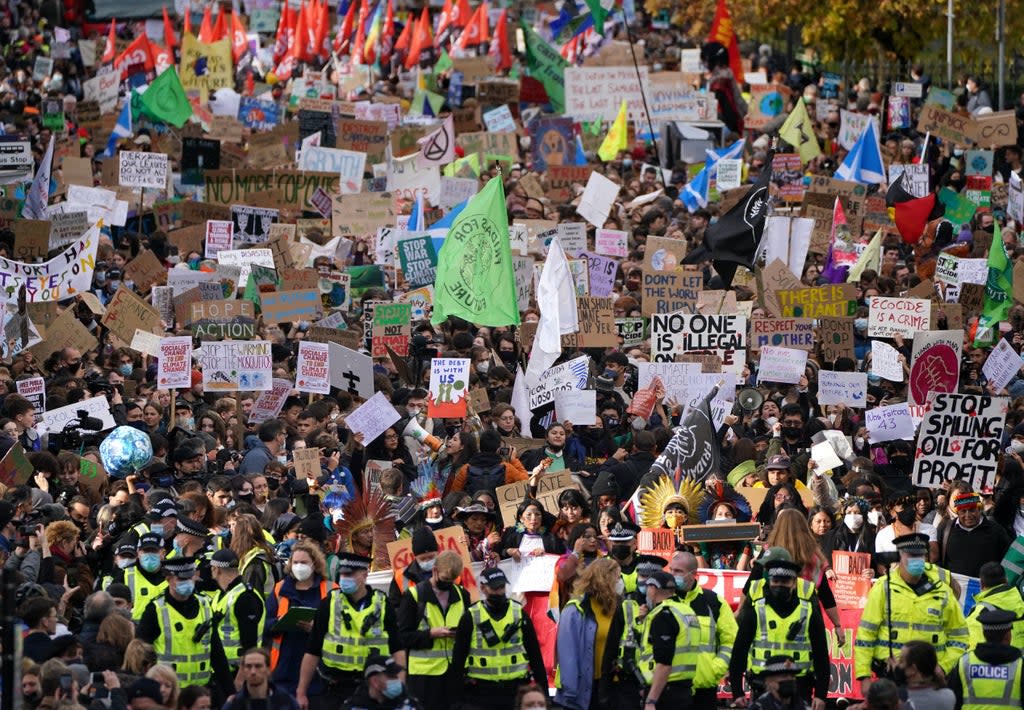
point(722, 493)
point(370, 510)
point(427, 486)
point(663, 494)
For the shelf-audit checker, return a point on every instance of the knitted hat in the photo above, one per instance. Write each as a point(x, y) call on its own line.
point(423, 540)
point(739, 472)
point(966, 501)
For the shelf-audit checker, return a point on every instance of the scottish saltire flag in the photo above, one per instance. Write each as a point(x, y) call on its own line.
point(122, 129)
point(572, 20)
point(864, 161)
point(695, 195)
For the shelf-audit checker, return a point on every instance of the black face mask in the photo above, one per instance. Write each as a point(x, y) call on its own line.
point(899, 676)
point(787, 689)
point(496, 602)
point(779, 594)
point(906, 516)
point(245, 497)
point(620, 552)
point(273, 484)
point(444, 586)
point(791, 432)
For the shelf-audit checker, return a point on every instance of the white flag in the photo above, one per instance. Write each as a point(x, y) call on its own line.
point(438, 148)
point(39, 193)
point(556, 296)
point(521, 398)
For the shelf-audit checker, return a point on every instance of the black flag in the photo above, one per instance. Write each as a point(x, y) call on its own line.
point(736, 237)
point(693, 450)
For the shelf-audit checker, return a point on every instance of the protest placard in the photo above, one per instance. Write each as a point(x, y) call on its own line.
point(631, 330)
point(288, 306)
point(897, 316)
point(611, 242)
point(601, 274)
point(351, 371)
point(454, 539)
point(782, 332)
point(137, 169)
point(449, 380)
point(251, 225)
point(312, 371)
point(229, 366)
point(419, 260)
point(31, 239)
point(66, 226)
point(818, 301)
point(219, 237)
point(1002, 364)
point(576, 406)
point(127, 312)
point(372, 418)
point(66, 274)
point(846, 388)
point(670, 291)
point(55, 419)
point(269, 403)
point(781, 364)
point(960, 438)
point(935, 366)
point(391, 328)
point(889, 423)
point(681, 333)
point(34, 390)
point(573, 374)
point(174, 362)
point(885, 361)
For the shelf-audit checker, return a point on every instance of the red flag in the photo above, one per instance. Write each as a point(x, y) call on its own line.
point(722, 31)
point(569, 49)
point(239, 42)
point(206, 27)
point(110, 51)
point(281, 40)
point(405, 36)
point(360, 43)
point(169, 39)
point(912, 217)
point(462, 13)
point(499, 48)
point(447, 13)
point(138, 52)
point(299, 41)
point(312, 12)
point(220, 30)
point(163, 57)
point(475, 32)
point(342, 39)
point(420, 40)
point(387, 35)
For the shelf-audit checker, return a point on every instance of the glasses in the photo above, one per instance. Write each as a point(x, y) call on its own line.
point(391, 437)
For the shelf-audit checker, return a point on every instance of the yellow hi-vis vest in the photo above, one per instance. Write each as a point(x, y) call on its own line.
point(989, 687)
point(628, 659)
point(684, 661)
point(505, 660)
point(176, 645)
point(352, 634)
point(435, 660)
point(225, 604)
point(143, 591)
point(804, 589)
point(771, 638)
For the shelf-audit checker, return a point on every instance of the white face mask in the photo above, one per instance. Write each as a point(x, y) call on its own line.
point(772, 421)
point(853, 521)
point(620, 587)
point(301, 571)
point(434, 519)
point(1017, 446)
point(874, 517)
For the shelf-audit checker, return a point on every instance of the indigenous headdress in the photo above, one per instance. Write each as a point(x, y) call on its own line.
point(663, 494)
point(722, 493)
point(427, 485)
point(370, 510)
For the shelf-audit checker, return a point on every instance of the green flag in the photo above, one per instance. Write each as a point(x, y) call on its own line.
point(547, 66)
point(165, 100)
point(474, 268)
point(599, 9)
point(998, 291)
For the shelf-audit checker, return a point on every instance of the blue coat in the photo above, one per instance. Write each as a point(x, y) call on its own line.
point(577, 632)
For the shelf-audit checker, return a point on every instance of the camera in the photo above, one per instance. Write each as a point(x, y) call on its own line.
point(77, 433)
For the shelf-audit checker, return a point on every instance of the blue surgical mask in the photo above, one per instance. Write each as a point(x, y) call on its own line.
point(681, 582)
point(125, 370)
point(125, 563)
point(427, 566)
point(347, 585)
point(149, 561)
point(874, 380)
point(185, 587)
point(157, 529)
point(915, 566)
point(641, 587)
point(860, 323)
point(178, 551)
point(393, 689)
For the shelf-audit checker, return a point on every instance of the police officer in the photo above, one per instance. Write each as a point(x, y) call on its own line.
point(179, 624)
point(779, 676)
point(430, 613)
point(996, 594)
point(238, 609)
point(160, 519)
point(717, 629)
point(192, 539)
point(424, 552)
point(756, 583)
point(383, 689)
point(911, 603)
point(990, 675)
point(354, 622)
point(145, 579)
point(622, 684)
point(668, 656)
point(781, 622)
point(623, 550)
point(496, 648)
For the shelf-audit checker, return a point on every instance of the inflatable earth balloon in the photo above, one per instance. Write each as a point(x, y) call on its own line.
point(125, 451)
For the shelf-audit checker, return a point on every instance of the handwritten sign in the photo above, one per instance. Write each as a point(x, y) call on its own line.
point(889, 423)
point(818, 301)
point(1002, 365)
point(312, 371)
point(174, 363)
point(782, 332)
point(372, 418)
point(846, 388)
point(782, 364)
point(449, 380)
point(897, 316)
point(136, 169)
point(230, 366)
point(960, 438)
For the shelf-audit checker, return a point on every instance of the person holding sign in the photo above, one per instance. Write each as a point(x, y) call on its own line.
point(496, 648)
point(354, 622)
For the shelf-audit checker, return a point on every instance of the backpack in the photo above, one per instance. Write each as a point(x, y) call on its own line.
point(481, 478)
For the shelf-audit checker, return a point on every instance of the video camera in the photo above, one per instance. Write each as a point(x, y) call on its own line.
point(77, 434)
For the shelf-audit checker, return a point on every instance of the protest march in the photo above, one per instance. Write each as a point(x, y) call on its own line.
point(585, 355)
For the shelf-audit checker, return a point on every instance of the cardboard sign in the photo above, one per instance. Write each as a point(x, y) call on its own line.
point(286, 306)
point(174, 363)
point(269, 403)
point(230, 366)
point(64, 331)
point(680, 334)
point(31, 239)
point(15, 468)
point(549, 487)
point(960, 439)
point(449, 380)
point(312, 371)
point(136, 169)
point(818, 301)
point(782, 332)
point(453, 538)
point(233, 187)
point(669, 291)
point(127, 312)
point(220, 319)
point(145, 270)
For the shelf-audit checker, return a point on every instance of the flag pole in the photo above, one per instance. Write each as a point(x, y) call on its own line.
point(643, 97)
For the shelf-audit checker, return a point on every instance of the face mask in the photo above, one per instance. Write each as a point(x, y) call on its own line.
point(188, 423)
point(1017, 446)
point(853, 521)
point(674, 519)
point(427, 566)
point(178, 549)
point(874, 517)
point(860, 323)
point(858, 442)
point(497, 602)
point(245, 497)
point(906, 516)
point(273, 484)
point(915, 566)
point(483, 367)
point(627, 164)
point(282, 459)
point(393, 689)
point(641, 588)
point(771, 421)
point(779, 594)
point(174, 259)
point(185, 588)
point(125, 370)
point(620, 552)
point(125, 563)
point(787, 689)
point(157, 529)
point(899, 676)
point(958, 152)
point(302, 572)
point(444, 586)
point(611, 422)
point(620, 587)
point(149, 561)
point(433, 519)
point(681, 583)
point(348, 585)
point(413, 411)
point(791, 432)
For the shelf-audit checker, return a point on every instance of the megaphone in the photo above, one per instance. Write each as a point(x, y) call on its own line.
point(749, 398)
point(421, 435)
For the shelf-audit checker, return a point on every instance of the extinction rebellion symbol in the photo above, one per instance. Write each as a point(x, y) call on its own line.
point(437, 147)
